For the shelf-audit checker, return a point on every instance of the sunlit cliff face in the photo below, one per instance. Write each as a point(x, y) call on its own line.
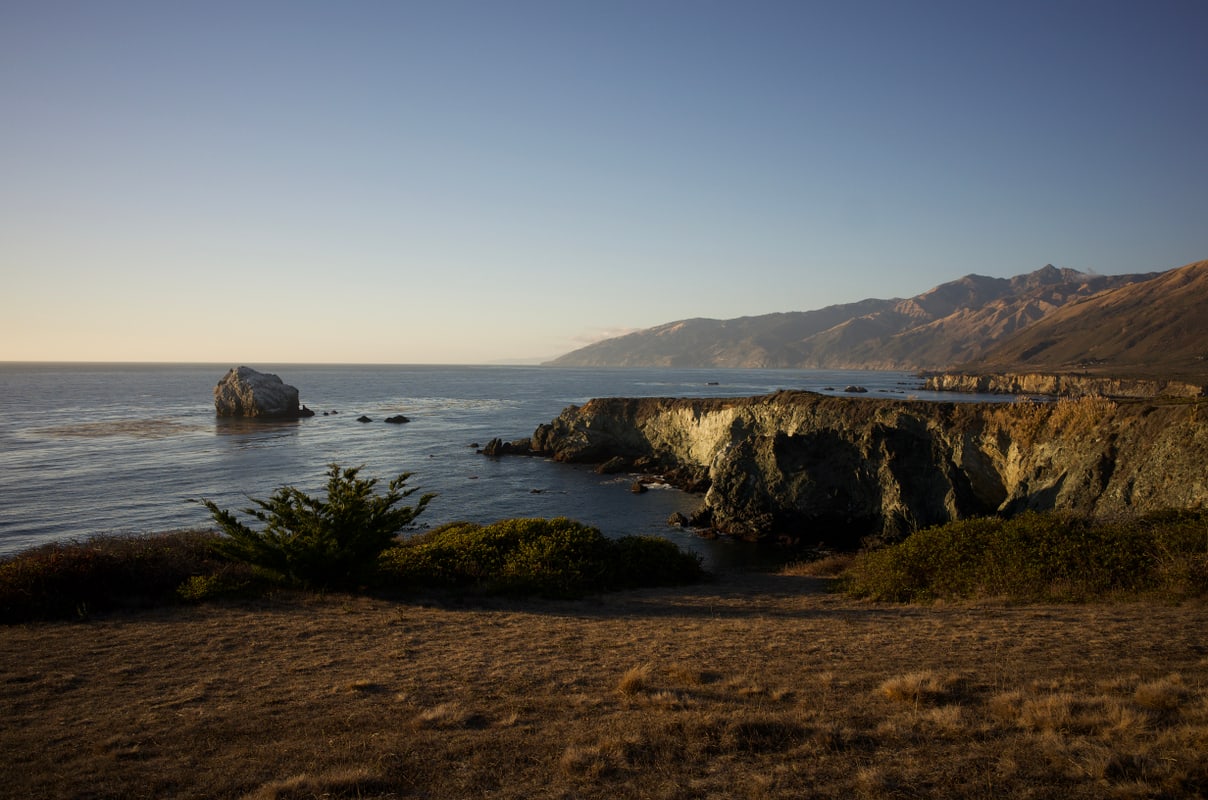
point(801, 464)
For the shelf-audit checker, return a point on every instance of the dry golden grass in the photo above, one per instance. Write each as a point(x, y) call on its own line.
point(758, 686)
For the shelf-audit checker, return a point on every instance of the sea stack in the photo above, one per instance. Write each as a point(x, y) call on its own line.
point(244, 392)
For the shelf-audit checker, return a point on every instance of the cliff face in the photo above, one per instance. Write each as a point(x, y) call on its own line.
point(1059, 385)
point(834, 470)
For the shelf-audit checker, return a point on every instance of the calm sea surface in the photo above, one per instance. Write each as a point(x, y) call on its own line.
point(117, 448)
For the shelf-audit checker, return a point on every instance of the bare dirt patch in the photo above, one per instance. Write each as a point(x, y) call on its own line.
point(753, 686)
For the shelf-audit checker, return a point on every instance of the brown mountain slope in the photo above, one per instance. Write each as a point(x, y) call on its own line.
point(951, 323)
point(1155, 329)
point(763, 341)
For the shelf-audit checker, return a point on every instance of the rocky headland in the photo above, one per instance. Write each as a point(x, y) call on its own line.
point(815, 469)
point(1059, 385)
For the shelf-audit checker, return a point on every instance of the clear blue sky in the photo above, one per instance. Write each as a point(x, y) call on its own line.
point(470, 182)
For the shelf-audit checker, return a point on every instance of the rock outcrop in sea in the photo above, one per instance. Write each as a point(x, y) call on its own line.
point(818, 469)
point(244, 392)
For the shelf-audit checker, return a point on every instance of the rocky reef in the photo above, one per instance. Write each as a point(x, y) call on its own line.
point(818, 469)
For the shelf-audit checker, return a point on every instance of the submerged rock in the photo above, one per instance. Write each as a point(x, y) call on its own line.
point(613, 465)
point(398, 419)
point(498, 447)
point(244, 392)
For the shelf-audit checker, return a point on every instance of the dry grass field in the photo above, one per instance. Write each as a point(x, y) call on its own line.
point(755, 685)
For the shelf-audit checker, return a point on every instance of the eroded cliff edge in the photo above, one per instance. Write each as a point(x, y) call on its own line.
point(825, 469)
point(1063, 385)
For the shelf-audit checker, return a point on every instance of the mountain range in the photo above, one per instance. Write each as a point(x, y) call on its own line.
point(1050, 319)
point(1156, 328)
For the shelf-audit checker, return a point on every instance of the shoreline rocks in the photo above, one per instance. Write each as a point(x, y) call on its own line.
point(834, 470)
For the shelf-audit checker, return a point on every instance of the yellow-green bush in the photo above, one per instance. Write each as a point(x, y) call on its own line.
point(1040, 556)
point(551, 557)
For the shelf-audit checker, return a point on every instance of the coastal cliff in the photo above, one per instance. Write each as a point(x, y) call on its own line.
point(1066, 385)
point(818, 469)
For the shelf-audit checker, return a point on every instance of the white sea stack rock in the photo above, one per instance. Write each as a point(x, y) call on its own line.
point(244, 392)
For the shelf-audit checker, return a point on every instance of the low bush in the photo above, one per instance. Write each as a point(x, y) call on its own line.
point(1040, 556)
point(553, 558)
point(636, 561)
point(74, 579)
point(547, 557)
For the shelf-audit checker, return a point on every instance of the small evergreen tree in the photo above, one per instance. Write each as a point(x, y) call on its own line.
point(316, 542)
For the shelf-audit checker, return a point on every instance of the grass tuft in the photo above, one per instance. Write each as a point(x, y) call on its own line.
point(635, 680)
point(445, 715)
point(916, 688)
point(349, 783)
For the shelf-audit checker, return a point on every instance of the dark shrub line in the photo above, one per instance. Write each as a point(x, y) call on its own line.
point(550, 558)
point(1050, 556)
point(547, 557)
point(65, 580)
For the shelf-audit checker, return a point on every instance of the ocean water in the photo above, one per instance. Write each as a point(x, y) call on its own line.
point(89, 449)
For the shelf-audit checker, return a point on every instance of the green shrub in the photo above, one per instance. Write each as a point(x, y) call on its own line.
point(548, 557)
point(314, 542)
point(73, 579)
point(1040, 556)
point(559, 558)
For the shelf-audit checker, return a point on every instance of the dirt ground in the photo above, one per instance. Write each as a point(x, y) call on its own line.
point(754, 685)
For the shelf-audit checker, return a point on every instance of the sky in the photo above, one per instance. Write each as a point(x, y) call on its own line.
point(505, 181)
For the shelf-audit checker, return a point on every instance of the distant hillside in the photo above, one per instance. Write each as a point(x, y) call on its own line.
point(1154, 328)
point(952, 323)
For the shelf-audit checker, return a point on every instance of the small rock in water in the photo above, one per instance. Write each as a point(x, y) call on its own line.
point(364, 418)
point(613, 465)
